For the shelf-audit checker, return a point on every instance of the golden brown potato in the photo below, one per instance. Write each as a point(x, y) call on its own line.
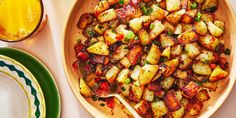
point(179, 113)
point(107, 16)
point(100, 7)
point(186, 27)
point(203, 95)
point(134, 54)
point(167, 83)
point(194, 107)
point(136, 24)
point(157, 13)
point(169, 27)
point(142, 107)
point(210, 5)
point(191, 89)
point(187, 37)
point(207, 57)
point(85, 20)
point(166, 52)
point(119, 53)
point(167, 41)
point(218, 74)
point(176, 50)
point(137, 91)
point(192, 49)
point(185, 60)
point(209, 42)
point(175, 17)
point(84, 90)
point(208, 17)
point(144, 37)
point(110, 37)
point(181, 74)
point(148, 95)
point(201, 68)
point(99, 48)
point(171, 101)
point(136, 72)
point(125, 89)
point(111, 2)
point(101, 28)
point(125, 62)
point(147, 73)
point(173, 5)
point(214, 30)
point(189, 16)
point(219, 24)
point(156, 28)
point(200, 27)
point(123, 76)
point(153, 54)
point(112, 74)
point(159, 108)
point(178, 29)
point(171, 67)
point(210, 85)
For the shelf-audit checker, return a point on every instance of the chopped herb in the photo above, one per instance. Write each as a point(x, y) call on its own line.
point(136, 38)
point(155, 99)
point(152, 26)
point(149, 11)
point(146, 62)
point(169, 33)
point(100, 27)
point(113, 31)
point(156, 43)
point(122, 89)
point(199, 83)
point(127, 81)
point(217, 48)
point(94, 98)
point(121, 2)
point(193, 5)
point(227, 51)
point(102, 104)
point(144, 9)
point(91, 33)
point(198, 17)
point(163, 59)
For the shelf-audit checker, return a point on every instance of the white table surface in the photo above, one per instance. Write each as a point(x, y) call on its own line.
point(47, 47)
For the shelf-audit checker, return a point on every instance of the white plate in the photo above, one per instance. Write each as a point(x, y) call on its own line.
point(20, 93)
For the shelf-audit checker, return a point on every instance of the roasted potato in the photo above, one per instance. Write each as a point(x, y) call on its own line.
point(147, 73)
point(84, 90)
point(187, 37)
point(214, 30)
point(176, 50)
point(207, 17)
point(167, 41)
point(166, 53)
point(173, 5)
point(171, 101)
point(192, 49)
point(178, 29)
point(144, 37)
point(179, 113)
point(167, 83)
point(171, 66)
point(125, 89)
point(137, 90)
point(100, 7)
point(110, 37)
point(125, 62)
point(209, 42)
point(136, 24)
point(181, 74)
point(202, 68)
point(123, 76)
point(99, 48)
point(157, 13)
point(156, 28)
point(107, 16)
point(119, 53)
point(191, 89)
point(85, 20)
point(142, 107)
point(153, 54)
point(200, 28)
point(218, 74)
point(169, 28)
point(202, 95)
point(189, 16)
point(101, 28)
point(194, 107)
point(148, 95)
point(210, 5)
point(207, 57)
point(210, 85)
point(159, 108)
point(175, 17)
point(185, 61)
point(136, 72)
point(112, 74)
point(219, 24)
point(134, 54)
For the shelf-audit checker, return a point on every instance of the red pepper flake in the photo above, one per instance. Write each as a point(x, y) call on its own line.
point(75, 65)
point(213, 66)
point(110, 103)
point(119, 37)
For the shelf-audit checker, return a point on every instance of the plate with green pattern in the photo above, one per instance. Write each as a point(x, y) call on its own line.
point(21, 94)
point(41, 74)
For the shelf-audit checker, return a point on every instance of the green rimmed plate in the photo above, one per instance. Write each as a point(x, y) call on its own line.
point(43, 76)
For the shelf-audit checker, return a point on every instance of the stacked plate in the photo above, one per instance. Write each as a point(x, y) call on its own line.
point(27, 88)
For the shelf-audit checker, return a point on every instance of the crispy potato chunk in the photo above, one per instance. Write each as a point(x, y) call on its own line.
point(100, 7)
point(171, 101)
point(210, 5)
point(208, 17)
point(144, 37)
point(218, 74)
point(210, 85)
point(159, 109)
point(207, 57)
point(192, 49)
point(179, 113)
point(137, 91)
point(181, 74)
point(171, 67)
point(110, 37)
point(147, 73)
point(84, 90)
point(209, 42)
point(167, 41)
point(123, 75)
point(203, 95)
point(176, 50)
point(125, 91)
point(166, 52)
point(136, 24)
point(99, 48)
point(187, 37)
point(157, 13)
point(194, 107)
point(119, 53)
point(153, 54)
point(200, 27)
point(134, 54)
point(167, 83)
point(107, 16)
point(189, 16)
point(191, 89)
point(201, 68)
point(148, 95)
point(175, 17)
point(136, 72)
point(214, 30)
point(220, 24)
point(156, 29)
point(85, 20)
point(178, 29)
point(173, 5)
point(169, 27)
point(185, 61)
point(112, 74)
point(101, 28)
point(142, 107)
point(125, 62)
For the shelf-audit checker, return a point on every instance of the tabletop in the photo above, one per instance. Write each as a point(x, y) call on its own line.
point(46, 46)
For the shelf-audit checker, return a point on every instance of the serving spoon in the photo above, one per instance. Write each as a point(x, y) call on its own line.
point(112, 94)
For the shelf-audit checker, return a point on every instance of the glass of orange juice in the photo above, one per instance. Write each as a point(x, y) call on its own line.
point(20, 19)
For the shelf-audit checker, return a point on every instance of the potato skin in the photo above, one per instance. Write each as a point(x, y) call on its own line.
point(191, 89)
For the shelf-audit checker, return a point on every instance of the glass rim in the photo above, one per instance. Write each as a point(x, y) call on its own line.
point(33, 31)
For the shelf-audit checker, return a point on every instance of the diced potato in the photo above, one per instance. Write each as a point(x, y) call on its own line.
point(171, 67)
point(166, 52)
point(111, 2)
point(218, 74)
point(214, 30)
point(191, 89)
point(137, 91)
point(147, 73)
point(203, 95)
point(157, 13)
point(169, 27)
point(114, 23)
point(142, 107)
point(173, 5)
point(208, 17)
point(136, 24)
point(128, 35)
point(156, 29)
point(192, 49)
point(112, 74)
point(207, 57)
point(167, 83)
point(185, 61)
point(199, 1)
point(123, 75)
point(175, 17)
point(148, 95)
point(209, 42)
point(220, 24)
point(167, 41)
point(160, 71)
point(186, 27)
point(100, 7)
point(178, 94)
point(201, 68)
point(125, 89)
point(84, 90)
point(176, 50)
point(171, 101)
point(136, 72)
point(159, 108)
point(119, 53)
point(144, 37)
point(125, 62)
point(187, 37)
point(178, 29)
point(200, 28)
point(210, 5)
point(107, 16)
point(199, 78)
point(85, 20)
point(194, 108)
point(162, 3)
point(210, 85)
point(179, 113)
point(153, 54)
point(181, 74)
point(189, 16)
point(110, 37)
point(99, 48)
point(134, 54)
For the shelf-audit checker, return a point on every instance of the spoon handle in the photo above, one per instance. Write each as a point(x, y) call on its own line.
point(127, 105)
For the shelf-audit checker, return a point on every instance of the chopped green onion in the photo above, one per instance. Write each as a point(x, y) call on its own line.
point(152, 26)
point(193, 5)
point(227, 51)
point(163, 59)
point(121, 2)
point(169, 33)
point(149, 11)
point(198, 17)
point(127, 80)
point(100, 27)
point(122, 89)
point(144, 9)
point(129, 36)
point(91, 33)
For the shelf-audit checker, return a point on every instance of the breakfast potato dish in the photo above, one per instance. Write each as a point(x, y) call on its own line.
point(162, 56)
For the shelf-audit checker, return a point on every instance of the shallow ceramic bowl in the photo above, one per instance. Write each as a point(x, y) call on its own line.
point(72, 33)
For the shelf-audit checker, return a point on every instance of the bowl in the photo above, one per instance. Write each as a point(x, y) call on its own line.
point(72, 34)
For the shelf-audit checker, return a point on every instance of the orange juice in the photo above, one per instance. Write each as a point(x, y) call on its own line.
point(19, 18)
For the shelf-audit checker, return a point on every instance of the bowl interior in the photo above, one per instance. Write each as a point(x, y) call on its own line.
point(72, 34)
